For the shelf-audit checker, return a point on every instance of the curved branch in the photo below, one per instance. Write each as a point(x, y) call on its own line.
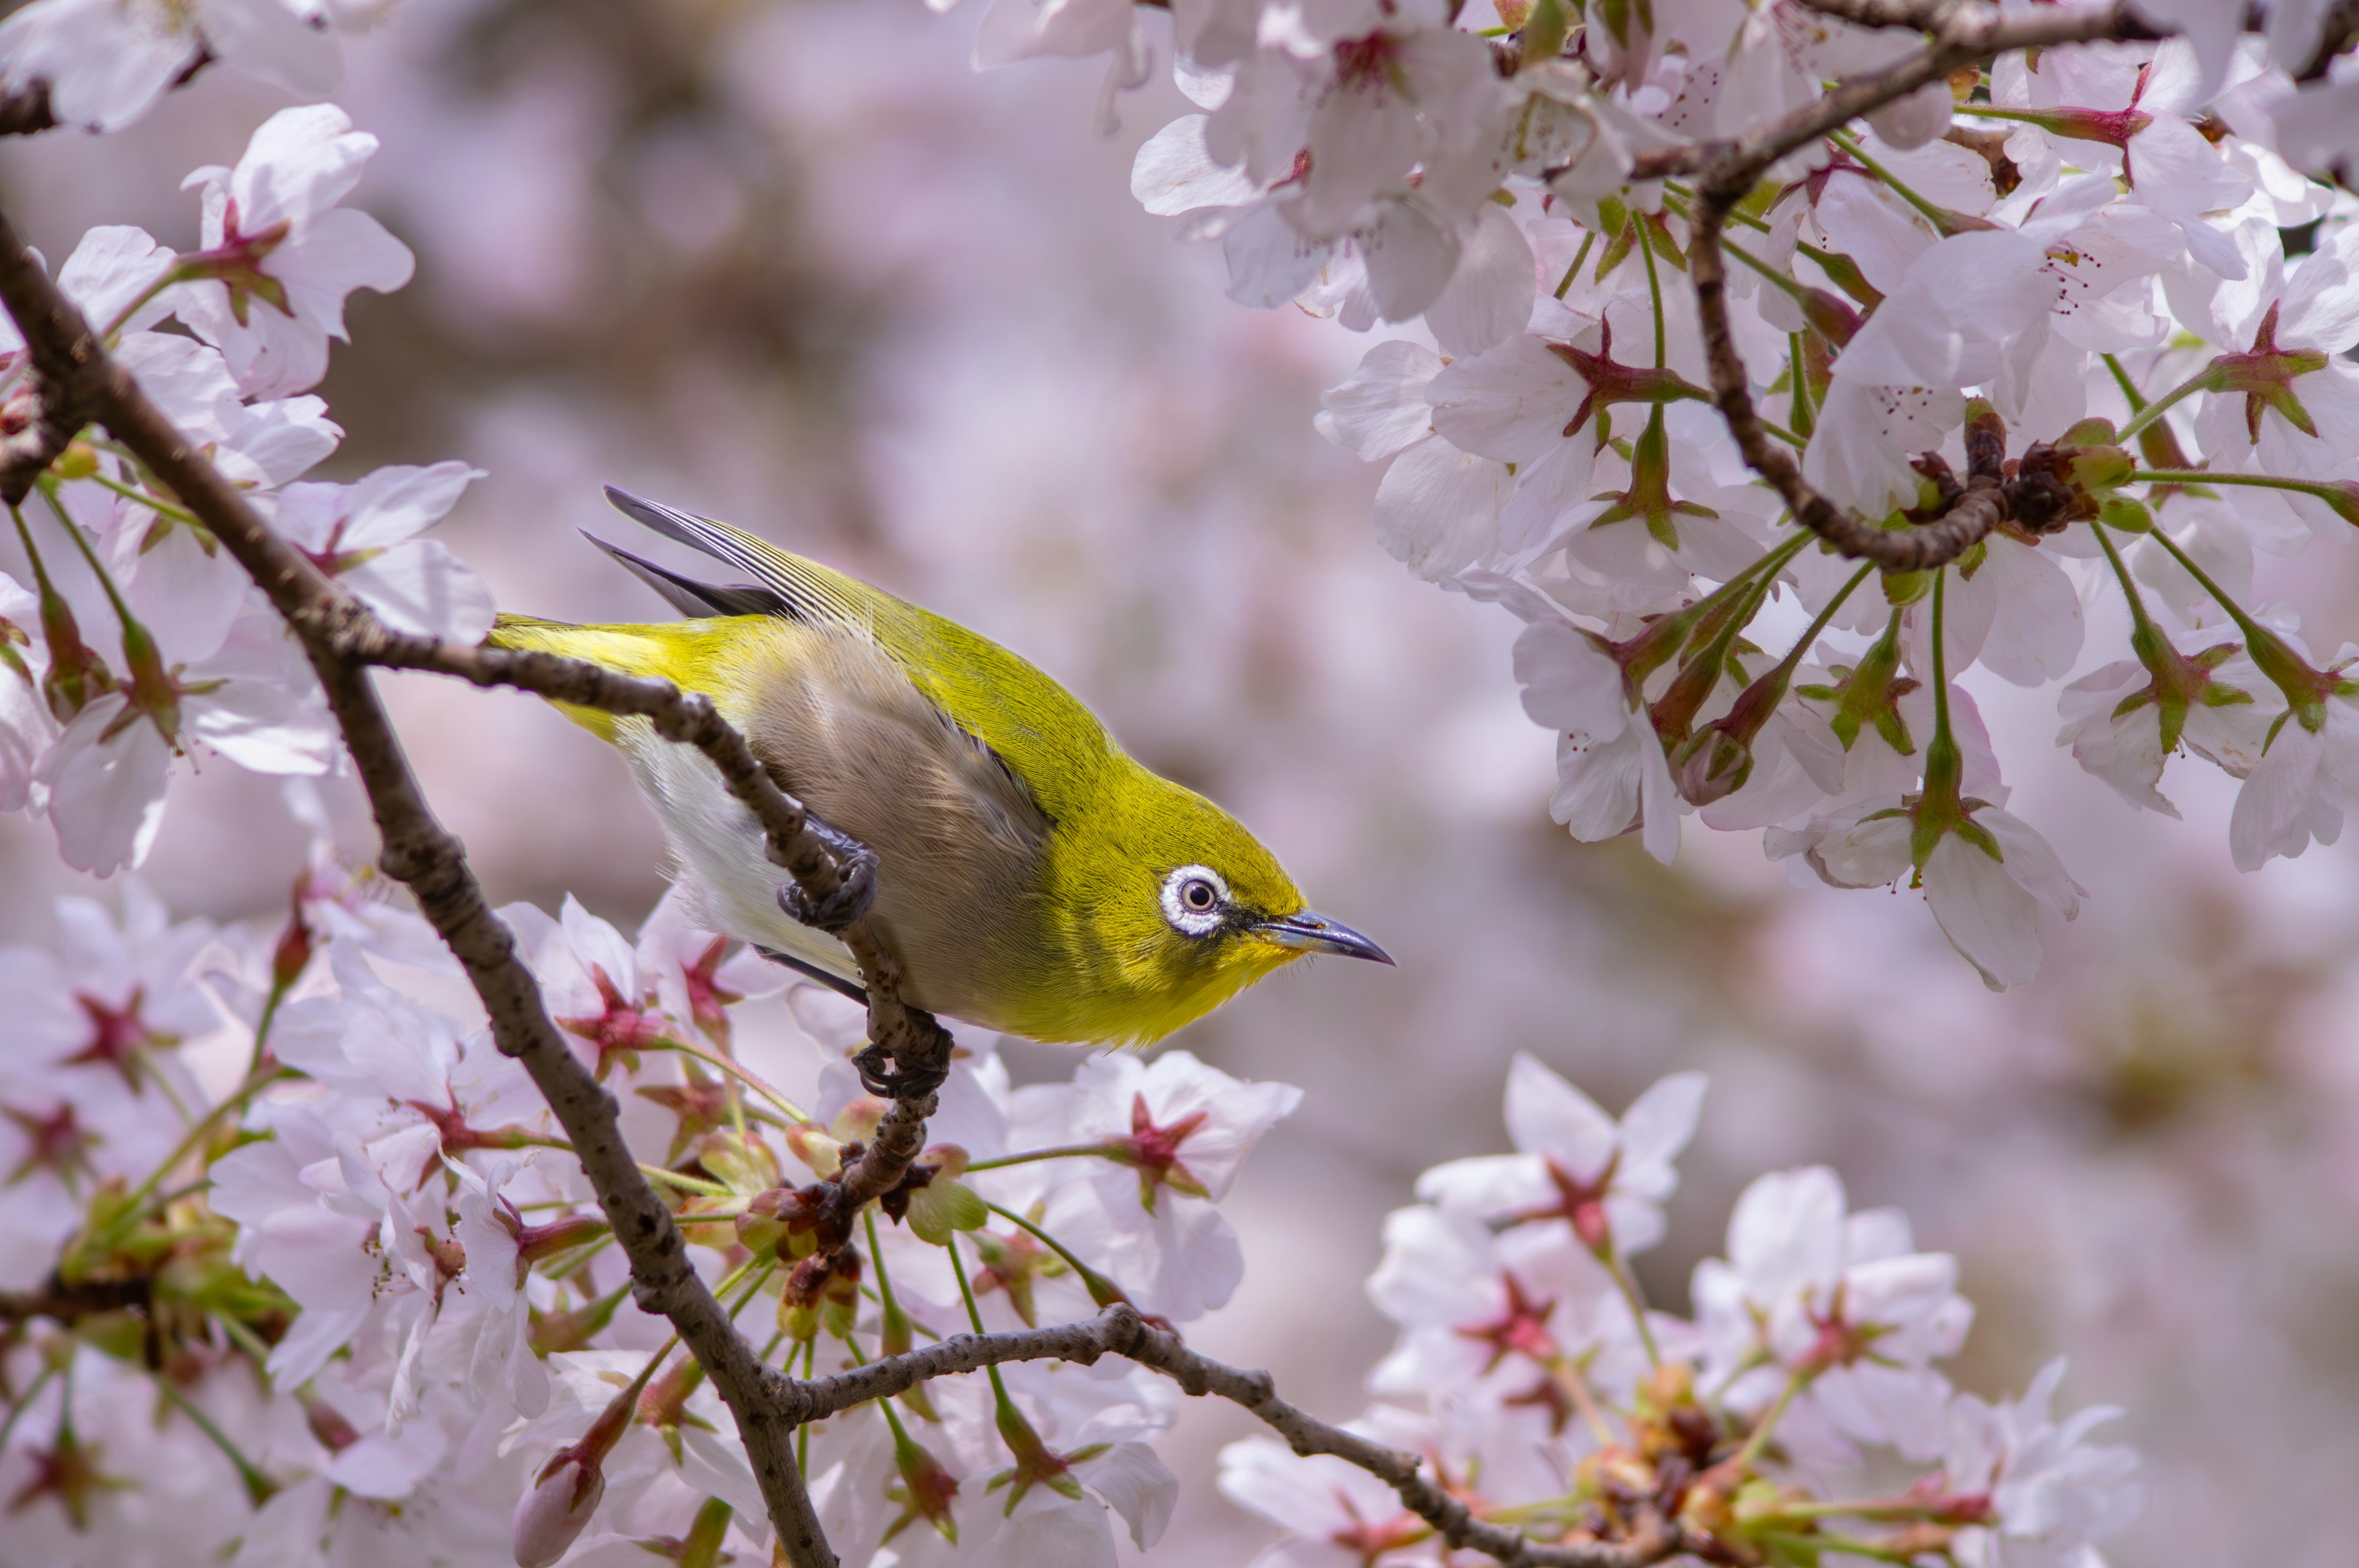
point(1121, 1330)
point(1728, 171)
point(418, 852)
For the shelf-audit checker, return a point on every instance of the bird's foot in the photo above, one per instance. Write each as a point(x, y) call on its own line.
point(887, 1077)
point(854, 893)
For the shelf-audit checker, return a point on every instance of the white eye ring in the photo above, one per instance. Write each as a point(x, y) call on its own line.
point(1195, 900)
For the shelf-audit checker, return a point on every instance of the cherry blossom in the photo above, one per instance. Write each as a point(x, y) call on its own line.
point(280, 255)
point(105, 63)
point(363, 534)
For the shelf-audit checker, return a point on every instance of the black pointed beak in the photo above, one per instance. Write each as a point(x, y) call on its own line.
point(1317, 933)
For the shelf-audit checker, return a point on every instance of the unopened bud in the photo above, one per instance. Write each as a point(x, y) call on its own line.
point(2095, 467)
point(1710, 765)
point(815, 1149)
point(2125, 512)
point(857, 1122)
point(742, 1164)
point(556, 1510)
point(79, 461)
point(1830, 318)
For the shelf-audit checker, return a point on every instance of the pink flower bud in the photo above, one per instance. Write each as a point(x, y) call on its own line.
point(555, 1511)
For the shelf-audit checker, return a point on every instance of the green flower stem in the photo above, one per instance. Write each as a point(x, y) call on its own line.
point(1940, 669)
point(245, 1339)
point(2130, 393)
point(153, 502)
point(2161, 405)
point(1750, 1455)
point(1002, 1407)
point(2340, 495)
point(1103, 1290)
point(802, 1432)
point(199, 1130)
point(25, 1403)
point(1654, 293)
point(259, 1487)
point(2304, 691)
point(1783, 434)
point(1737, 215)
point(686, 1183)
point(1061, 1151)
point(1804, 417)
point(2141, 624)
point(89, 555)
point(793, 1111)
point(1943, 221)
point(1628, 1283)
point(1565, 285)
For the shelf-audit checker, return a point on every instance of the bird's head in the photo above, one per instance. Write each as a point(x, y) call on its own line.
point(1184, 908)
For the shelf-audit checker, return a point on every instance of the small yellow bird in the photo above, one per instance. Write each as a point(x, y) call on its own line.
point(1033, 877)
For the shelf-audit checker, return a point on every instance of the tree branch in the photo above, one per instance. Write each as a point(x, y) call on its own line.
point(1728, 171)
point(1121, 1330)
point(418, 852)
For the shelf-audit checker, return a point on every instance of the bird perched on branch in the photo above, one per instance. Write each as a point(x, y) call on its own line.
point(1031, 875)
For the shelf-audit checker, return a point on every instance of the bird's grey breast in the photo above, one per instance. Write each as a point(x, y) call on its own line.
point(959, 839)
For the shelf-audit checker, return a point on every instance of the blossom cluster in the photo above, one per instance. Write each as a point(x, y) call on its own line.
point(2079, 253)
point(137, 640)
point(1797, 1413)
point(281, 1220)
point(319, 1275)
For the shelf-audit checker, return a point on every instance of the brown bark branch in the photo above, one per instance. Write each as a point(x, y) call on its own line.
point(419, 853)
point(1728, 171)
point(1121, 1330)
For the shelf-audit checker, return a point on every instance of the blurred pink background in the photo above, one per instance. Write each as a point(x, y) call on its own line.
point(797, 265)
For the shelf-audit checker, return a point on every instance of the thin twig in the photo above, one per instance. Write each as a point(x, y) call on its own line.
point(1121, 1330)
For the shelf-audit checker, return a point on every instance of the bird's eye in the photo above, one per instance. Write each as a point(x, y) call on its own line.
point(1195, 899)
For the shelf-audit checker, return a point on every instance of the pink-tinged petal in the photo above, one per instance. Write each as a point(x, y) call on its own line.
point(1382, 407)
point(1437, 509)
point(2029, 859)
point(1570, 683)
point(2320, 306)
point(1137, 1485)
point(1658, 798)
point(277, 441)
point(2274, 808)
point(1785, 1235)
point(1269, 260)
point(1410, 253)
point(1511, 402)
point(2037, 630)
point(1175, 172)
point(1990, 919)
point(105, 795)
point(1658, 1125)
point(1489, 298)
point(113, 266)
point(1864, 854)
point(339, 251)
point(299, 164)
point(105, 63)
point(1548, 1115)
point(423, 587)
point(1600, 783)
